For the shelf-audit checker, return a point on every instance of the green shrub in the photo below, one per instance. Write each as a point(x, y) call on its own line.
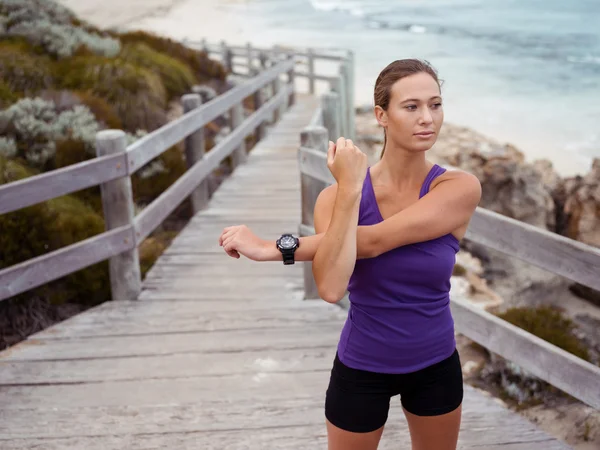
point(7, 95)
point(201, 65)
point(549, 324)
point(22, 71)
point(48, 226)
point(53, 27)
point(156, 176)
point(136, 94)
point(177, 78)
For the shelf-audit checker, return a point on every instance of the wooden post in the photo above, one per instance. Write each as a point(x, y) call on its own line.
point(262, 56)
point(276, 90)
point(259, 100)
point(330, 105)
point(227, 57)
point(117, 202)
point(350, 66)
point(251, 71)
point(239, 155)
point(316, 138)
point(194, 152)
point(291, 82)
point(337, 86)
point(311, 71)
point(346, 101)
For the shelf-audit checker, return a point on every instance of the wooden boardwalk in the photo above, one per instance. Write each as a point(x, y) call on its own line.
point(217, 353)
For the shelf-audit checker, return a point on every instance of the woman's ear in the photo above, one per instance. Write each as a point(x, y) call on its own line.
point(381, 116)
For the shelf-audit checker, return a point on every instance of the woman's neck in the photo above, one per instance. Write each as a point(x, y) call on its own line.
point(401, 169)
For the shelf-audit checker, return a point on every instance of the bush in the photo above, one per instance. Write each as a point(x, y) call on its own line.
point(7, 95)
point(48, 226)
point(65, 100)
point(201, 65)
point(23, 72)
point(53, 27)
point(548, 324)
point(35, 126)
point(136, 94)
point(177, 78)
point(156, 176)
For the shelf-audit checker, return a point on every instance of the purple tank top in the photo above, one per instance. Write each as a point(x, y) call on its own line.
point(399, 319)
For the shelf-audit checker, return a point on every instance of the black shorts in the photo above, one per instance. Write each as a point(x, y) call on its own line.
point(359, 400)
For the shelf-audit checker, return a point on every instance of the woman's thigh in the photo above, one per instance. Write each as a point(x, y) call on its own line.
point(356, 407)
point(339, 439)
point(434, 432)
point(432, 402)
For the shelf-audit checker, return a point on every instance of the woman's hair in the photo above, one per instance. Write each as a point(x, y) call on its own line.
point(393, 72)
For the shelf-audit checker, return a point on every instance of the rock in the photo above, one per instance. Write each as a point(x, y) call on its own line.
point(510, 186)
point(582, 206)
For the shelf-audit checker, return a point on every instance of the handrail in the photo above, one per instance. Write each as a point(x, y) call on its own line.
point(115, 164)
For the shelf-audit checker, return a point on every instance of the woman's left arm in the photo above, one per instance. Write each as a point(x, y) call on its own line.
point(445, 208)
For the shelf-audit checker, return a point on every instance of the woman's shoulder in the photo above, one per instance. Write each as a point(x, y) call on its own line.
point(458, 176)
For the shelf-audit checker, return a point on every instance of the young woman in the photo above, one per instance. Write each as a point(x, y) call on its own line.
point(388, 234)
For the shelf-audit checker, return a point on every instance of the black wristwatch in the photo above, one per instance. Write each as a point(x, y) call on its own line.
point(287, 245)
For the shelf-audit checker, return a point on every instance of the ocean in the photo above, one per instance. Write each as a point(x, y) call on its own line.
point(524, 72)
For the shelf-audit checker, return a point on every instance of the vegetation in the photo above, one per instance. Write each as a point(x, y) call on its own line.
point(61, 81)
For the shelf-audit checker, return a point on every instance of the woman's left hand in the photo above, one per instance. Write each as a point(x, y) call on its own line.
point(240, 240)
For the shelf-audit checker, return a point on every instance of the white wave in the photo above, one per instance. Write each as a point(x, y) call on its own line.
point(417, 29)
point(328, 6)
point(587, 59)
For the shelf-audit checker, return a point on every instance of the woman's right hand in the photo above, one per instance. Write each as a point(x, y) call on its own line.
point(240, 240)
point(347, 163)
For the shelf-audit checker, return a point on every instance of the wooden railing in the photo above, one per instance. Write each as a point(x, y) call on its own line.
point(558, 254)
point(116, 162)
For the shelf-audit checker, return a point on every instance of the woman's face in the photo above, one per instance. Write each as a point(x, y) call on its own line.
point(414, 115)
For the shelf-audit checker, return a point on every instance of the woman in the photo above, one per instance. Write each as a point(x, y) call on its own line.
point(389, 235)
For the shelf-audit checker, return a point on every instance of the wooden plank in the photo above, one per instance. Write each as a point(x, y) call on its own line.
point(229, 341)
point(544, 360)
point(39, 188)
point(248, 363)
point(199, 322)
point(153, 144)
point(314, 164)
point(159, 209)
point(567, 257)
point(51, 266)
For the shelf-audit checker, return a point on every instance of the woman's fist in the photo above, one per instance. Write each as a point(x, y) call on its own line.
point(347, 163)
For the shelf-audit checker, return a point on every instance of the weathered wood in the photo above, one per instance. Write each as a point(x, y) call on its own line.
point(291, 82)
point(36, 189)
point(350, 73)
point(227, 56)
point(317, 118)
point(567, 257)
point(339, 87)
point(317, 139)
point(194, 152)
point(160, 208)
point(330, 103)
point(312, 164)
point(311, 70)
point(153, 144)
point(52, 266)
point(239, 155)
point(544, 360)
point(117, 203)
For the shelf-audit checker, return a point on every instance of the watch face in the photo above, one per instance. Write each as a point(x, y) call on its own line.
point(287, 242)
